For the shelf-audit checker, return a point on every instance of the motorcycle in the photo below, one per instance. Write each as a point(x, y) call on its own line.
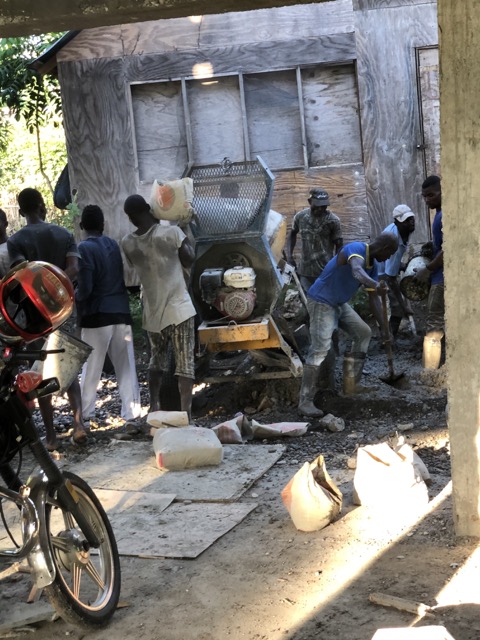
point(66, 536)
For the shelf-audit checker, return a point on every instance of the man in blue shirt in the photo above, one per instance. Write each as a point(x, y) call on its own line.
point(104, 316)
point(435, 323)
point(355, 265)
point(402, 227)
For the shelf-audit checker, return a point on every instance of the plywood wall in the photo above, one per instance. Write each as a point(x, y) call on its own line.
point(230, 29)
point(387, 35)
point(346, 188)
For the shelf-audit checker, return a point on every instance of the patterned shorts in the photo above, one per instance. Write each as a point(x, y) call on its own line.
point(182, 339)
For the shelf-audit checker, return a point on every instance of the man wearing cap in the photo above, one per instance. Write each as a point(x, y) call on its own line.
point(321, 235)
point(402, 227)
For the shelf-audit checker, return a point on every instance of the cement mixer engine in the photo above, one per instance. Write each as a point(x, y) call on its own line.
point(231, 292)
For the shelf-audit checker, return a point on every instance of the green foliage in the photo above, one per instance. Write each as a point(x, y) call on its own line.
point(24, 92)
point(19, 167)
point(29, 104)
point(136, 311)
point(361, 305)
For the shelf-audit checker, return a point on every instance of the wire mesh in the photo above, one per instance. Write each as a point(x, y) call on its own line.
point(230, 197)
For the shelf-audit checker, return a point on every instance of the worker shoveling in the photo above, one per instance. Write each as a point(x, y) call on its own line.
point(398, 380)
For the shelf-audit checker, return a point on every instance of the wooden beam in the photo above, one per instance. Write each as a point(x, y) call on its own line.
point(24, 17)
point(247, 58)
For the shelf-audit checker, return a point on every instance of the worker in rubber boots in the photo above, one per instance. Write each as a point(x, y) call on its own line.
point(433, 271)
point(403, 226)
point(355, 265)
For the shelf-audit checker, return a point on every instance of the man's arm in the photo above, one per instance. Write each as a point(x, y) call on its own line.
point(186, 253)
point(377, 310)
point(291, 242)
point(337, 236)
point(424, 273)
point(85, 278)
point(338, 245)
point(356, 264)
point(394, 287)
point(71, 267)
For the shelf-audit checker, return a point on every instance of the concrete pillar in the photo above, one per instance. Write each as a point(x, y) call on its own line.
point(459, 31)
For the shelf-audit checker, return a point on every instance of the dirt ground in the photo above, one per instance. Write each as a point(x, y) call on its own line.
point(265, 579)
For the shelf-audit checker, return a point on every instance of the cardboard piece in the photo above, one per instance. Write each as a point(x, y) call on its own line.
point(131, 465)
point(180, 531)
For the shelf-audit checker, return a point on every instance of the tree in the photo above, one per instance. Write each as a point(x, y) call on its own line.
point(24, 93)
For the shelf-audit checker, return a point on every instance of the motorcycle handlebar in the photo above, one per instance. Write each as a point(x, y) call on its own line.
point(40, 354)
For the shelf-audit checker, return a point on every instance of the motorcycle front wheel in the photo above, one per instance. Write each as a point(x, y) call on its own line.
point(86, 588)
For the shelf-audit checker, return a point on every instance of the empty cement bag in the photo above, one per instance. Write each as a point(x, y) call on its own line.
point(311, 497)
point(161, 419)
point(186, 448)
point(385, 479)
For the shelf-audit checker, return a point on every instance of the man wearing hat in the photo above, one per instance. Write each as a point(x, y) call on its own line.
point(402, 227)
point(321, 235)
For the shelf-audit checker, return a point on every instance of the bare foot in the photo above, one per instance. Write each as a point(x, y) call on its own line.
point(79, 436)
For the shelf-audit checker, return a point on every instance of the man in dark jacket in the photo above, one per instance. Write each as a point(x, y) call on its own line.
point(104, 316)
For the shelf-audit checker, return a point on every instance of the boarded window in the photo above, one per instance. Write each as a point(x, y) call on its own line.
point(268, 122)
point(216, 120)
point(159, 130)
point(332, 121)
point(273, 116)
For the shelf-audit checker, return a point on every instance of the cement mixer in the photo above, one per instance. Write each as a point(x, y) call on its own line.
point(236, 281)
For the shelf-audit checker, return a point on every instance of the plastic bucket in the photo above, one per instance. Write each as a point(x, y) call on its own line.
point(409, 285)
point(63, 366)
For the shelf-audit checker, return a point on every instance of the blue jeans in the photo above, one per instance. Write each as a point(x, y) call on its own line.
point(324, 319)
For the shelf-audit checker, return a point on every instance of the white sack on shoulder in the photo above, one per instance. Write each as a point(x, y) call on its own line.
point(172, 200)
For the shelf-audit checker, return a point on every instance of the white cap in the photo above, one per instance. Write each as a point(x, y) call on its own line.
point(402, 212)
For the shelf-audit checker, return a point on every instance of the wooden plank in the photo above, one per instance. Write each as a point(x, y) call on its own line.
point(346, 187)
point(216, 117)
point(160, 134)
point(273, 118)
point(177, 34)
point(331, 115)
point(132, 465)
point(365, 5)
point(101, 42)
point(182, 530)
point(21, 614)
point(283, 23)
point(428, 72)
point(401, 604)
point(249, 57)
point(390, 117)
point(210, 333)
point(157, 36)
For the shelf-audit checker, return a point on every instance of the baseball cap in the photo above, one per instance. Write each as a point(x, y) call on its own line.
point(402, 212)
point(319, 197)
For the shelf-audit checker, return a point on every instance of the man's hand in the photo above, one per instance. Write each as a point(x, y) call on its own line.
point(382, 288)
point(423, 274)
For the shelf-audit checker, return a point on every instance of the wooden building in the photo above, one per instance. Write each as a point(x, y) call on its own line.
point(340, 94)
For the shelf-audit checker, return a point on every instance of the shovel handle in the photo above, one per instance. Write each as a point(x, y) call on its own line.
point(388, 343)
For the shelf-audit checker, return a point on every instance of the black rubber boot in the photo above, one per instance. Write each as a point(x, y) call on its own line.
point(309, 388)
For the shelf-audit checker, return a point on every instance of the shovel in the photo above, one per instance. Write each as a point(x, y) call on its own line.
point(393, 379)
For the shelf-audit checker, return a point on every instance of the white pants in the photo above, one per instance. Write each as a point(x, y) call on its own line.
point(117, 341)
